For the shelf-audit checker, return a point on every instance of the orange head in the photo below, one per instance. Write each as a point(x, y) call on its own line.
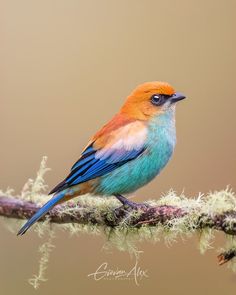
point(150, 99)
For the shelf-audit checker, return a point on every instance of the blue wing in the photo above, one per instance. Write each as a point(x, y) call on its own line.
point(91, 164)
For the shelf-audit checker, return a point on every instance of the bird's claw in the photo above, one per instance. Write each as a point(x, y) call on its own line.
point(132, 206)
point(136, 206)
point(128, 205)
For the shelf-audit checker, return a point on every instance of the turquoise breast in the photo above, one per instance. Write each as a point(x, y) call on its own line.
point(136, 173)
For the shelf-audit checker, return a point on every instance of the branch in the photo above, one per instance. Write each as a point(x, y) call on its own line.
point(147, 215)
point(114, 216)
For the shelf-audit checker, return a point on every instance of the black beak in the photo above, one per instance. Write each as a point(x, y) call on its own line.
point(177, 96)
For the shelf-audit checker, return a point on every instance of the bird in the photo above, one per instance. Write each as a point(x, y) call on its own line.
point(126, 153)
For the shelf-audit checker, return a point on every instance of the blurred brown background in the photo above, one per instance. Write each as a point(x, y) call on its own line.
point(66, 67)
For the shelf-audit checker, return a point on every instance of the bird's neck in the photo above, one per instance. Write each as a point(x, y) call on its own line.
point(162, 126)
point(165, 119)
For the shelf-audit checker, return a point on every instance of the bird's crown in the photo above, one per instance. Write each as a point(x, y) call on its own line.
point(152, 88)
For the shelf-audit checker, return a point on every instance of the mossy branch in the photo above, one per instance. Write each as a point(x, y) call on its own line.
point(151, 215)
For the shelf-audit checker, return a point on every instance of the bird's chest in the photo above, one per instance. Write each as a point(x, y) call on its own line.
point(159, 148)
point(160, 145)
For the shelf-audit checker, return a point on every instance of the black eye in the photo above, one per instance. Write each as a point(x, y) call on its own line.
point(159, 99)
point(156, 99)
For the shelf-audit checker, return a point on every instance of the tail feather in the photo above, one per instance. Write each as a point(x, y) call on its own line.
point(40, 213)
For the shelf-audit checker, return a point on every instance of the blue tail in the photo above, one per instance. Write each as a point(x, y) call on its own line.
point(41, 212)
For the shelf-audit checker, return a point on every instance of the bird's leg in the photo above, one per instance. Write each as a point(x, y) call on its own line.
point(129, 204)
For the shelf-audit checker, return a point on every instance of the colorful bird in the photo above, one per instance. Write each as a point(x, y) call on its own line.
point(127, 153)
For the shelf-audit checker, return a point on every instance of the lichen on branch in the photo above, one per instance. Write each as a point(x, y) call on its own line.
point(169, 217)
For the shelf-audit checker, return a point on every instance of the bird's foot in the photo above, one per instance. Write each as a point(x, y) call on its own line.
point(129, 205)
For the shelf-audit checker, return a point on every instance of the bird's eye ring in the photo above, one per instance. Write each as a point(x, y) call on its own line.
point(156, 99)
